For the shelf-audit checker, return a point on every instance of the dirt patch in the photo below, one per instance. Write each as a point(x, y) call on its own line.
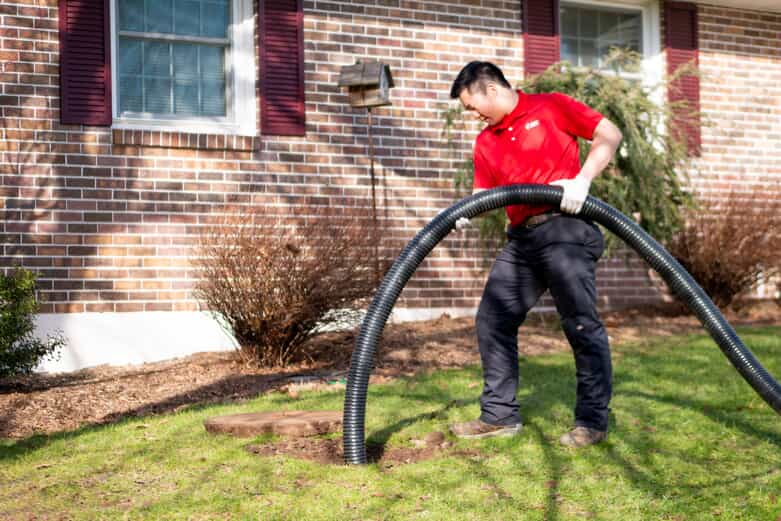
point(48, 403)
point(331, 451)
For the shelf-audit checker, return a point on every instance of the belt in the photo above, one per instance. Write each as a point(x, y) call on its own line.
point(536, 220)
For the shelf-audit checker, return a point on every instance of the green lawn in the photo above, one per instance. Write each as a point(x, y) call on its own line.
point(689, 440)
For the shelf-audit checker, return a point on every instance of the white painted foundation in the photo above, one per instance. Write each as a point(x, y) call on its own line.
point(130, 338)
point(414, 314)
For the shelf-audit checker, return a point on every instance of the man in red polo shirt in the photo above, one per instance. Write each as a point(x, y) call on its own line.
point(532, 139)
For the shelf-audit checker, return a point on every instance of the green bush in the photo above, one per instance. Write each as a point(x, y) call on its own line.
point(20, 351)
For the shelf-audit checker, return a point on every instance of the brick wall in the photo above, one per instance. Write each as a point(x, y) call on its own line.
point(740, 63)
point(109, 218)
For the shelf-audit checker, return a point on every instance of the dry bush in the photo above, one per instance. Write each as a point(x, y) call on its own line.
point(727, 245)
point(275, 280)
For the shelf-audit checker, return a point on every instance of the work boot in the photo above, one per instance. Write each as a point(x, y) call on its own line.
point(479, 429)
point(582, 436)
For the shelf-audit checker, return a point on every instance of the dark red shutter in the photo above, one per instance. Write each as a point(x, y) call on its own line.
point(541, 44)
point(85, 62)
point(682, 47)
point(282, 68)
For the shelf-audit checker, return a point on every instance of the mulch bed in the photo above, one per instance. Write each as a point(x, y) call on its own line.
point(49, 403)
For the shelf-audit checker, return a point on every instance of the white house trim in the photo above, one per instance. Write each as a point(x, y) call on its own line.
point(754, 5)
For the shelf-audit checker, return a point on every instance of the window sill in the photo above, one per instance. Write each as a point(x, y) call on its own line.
point(181, 139)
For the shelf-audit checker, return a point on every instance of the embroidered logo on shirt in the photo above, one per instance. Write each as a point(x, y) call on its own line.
point(531, 124)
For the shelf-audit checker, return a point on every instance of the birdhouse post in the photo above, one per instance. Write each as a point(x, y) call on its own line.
point(368, 85)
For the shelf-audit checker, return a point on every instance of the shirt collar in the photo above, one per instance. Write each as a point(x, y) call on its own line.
point(519, 110)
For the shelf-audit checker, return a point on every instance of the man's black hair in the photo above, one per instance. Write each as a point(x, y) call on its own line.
point(479, 73)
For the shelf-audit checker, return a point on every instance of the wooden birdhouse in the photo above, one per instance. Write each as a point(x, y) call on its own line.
point(368, 84)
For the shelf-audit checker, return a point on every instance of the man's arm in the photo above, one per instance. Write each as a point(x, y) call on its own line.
point(603, 146)
point(606, 140)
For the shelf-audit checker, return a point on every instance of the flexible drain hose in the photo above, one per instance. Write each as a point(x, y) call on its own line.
point(679, 280)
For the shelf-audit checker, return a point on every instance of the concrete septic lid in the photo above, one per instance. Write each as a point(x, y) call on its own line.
point(285, 423)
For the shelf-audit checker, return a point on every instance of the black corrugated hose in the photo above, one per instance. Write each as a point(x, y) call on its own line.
point(679, 280)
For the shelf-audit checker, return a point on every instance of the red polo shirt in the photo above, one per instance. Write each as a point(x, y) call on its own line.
point(536, 143)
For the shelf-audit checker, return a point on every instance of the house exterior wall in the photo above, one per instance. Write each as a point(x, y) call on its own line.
point(740, 63)
point(740, 93)
point(109, 218)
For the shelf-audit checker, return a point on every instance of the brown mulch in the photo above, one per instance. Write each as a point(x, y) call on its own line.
point(48, 403)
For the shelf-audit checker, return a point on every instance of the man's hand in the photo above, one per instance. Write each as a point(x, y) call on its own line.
point(575, 193)
point(607, 137)
point(462, 223)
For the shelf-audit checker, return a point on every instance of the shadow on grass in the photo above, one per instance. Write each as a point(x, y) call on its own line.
point(724, 417)
point(381, 436)
point(555, 463)
point(376, 440)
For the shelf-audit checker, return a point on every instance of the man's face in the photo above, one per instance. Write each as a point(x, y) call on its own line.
point(484, 106)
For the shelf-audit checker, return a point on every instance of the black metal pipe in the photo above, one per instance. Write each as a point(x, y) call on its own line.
point(679, 280)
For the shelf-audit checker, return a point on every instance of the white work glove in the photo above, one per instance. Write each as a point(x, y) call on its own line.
point(575, 193)
point(462, 223)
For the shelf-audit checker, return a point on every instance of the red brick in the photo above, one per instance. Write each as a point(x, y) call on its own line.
point(126, 307)
point(101, 307)
point(69, 307)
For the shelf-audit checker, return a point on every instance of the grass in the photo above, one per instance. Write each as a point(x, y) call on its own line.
point(689, 440)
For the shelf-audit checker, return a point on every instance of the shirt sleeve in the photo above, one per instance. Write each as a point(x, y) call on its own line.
point(483, 176)
point(574, 117)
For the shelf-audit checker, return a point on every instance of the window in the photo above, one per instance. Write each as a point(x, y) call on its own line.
point(588, 32)
point(172, 57)
point(177, 64)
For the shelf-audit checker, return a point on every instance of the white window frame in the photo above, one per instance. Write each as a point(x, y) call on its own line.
point(651, 63)
point(241, 105)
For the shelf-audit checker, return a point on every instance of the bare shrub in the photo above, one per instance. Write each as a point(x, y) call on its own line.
point(727, 245)
point(277, 279)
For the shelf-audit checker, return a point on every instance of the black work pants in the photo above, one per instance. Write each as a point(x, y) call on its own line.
point(559, 254)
